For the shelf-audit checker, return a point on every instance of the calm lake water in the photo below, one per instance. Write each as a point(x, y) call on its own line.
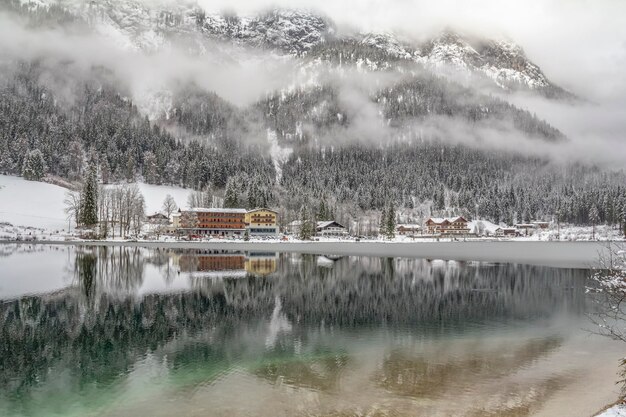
point(114, 331)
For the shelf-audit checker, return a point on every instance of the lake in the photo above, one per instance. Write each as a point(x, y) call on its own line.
point(128, 331)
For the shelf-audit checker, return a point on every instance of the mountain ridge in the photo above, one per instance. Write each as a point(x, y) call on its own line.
point(304, 34)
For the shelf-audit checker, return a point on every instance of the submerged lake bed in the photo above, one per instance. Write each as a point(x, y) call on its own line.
point(124, 331)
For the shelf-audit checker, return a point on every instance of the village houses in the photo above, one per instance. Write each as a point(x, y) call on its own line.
point(227, 222)
point(447, 225)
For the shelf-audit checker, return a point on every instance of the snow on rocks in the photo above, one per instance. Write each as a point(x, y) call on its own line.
point(618, 410)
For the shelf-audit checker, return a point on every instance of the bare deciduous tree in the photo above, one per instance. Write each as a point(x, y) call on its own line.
point(169, 206)
point(72, 205)
point(609, 294)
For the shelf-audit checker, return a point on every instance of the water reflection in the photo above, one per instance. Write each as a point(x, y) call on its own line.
point(132, 326)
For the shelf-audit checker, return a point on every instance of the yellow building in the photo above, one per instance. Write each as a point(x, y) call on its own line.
point(262, 222)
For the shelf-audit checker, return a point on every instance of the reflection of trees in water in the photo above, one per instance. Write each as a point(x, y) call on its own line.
point(365, 292)
point(102, 340)
point(102, 343)
point(120, 269)
point(162, 259)
point(111, 270)
point(10, 249)
point(85, 268)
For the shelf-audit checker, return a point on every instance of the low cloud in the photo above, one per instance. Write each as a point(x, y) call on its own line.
point(237, 75)
point(579, 45)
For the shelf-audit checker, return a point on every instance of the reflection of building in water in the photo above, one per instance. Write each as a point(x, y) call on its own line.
point(220, 263)
point(209, 263)
point(261, 263)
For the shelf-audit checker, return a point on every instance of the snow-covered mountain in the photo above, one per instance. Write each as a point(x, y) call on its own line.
point(305, 35)
point(288, 108)
point(502, 61)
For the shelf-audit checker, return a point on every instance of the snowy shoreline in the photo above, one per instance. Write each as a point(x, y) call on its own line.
point(557, 254)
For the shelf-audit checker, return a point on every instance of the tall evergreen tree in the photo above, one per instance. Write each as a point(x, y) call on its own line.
point(231, 198)
point(307, 227)
point(622, 214)
point(391, 222)
point(382, 227)
point(34, 166)
point(322, 213)
point(6, 163)
point(253, 196)
point(89, 198)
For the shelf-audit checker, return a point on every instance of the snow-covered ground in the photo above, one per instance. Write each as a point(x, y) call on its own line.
point(30, 208)
point(30, 203)
point(573, 233)
point(615, 411)
point(155, 194)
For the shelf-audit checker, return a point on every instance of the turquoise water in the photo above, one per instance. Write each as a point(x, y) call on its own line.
point(130, 331)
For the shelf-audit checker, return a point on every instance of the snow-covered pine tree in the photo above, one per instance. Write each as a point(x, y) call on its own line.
point(231, 198)
point(6, 163)
point(130, 168)
point(321, 211)
point(382, 227)
point(622, 214)
point(34, 166)
point(253, 193)
point(150, 168)
point(89, 198)
point(391, 222)
point(76, 158)
point(307, 227)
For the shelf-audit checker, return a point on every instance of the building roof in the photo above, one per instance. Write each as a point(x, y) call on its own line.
point(410, 226)
point(155, 215)
point(262, 209)
point(218, 210)
point(440, 220)
point(321, 225)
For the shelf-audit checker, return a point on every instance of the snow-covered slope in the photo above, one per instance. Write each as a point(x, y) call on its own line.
point(30, 203)
point(155, 194)
point(39, 204)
